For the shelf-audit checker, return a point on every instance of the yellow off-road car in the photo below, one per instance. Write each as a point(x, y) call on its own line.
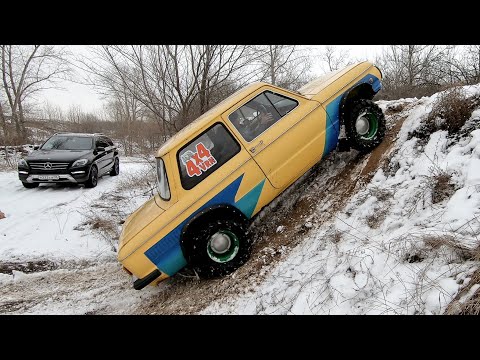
point(223, 168)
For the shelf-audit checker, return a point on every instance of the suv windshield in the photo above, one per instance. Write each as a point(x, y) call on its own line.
point(162, 181)
point(59, 142)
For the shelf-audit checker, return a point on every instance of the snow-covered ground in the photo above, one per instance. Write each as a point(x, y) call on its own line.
point(45, 223)
point(356, 235)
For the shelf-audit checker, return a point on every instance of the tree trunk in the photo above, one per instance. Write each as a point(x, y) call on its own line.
point(4, 125)
point(272, 66)
point(21, 120)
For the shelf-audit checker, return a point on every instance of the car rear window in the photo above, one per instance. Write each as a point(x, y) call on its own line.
point(205, 154)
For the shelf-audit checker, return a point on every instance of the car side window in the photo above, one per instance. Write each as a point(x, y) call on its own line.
point(108, 141)
point(283, 104)
point(205, 154)
point(260, 113)
point(101, 142)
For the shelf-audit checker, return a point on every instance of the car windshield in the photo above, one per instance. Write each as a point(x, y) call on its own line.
point(162, 180)
point(60, 142)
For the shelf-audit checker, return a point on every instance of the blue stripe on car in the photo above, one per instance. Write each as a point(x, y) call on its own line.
point(167, 254)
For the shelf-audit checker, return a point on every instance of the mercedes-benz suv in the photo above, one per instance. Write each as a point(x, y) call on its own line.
point(70, 158)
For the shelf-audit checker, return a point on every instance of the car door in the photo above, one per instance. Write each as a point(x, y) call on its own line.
point(101, 157)
point(110, 156)
point(288, 140)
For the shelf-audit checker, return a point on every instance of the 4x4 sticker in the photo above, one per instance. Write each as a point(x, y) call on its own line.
point(200, 161)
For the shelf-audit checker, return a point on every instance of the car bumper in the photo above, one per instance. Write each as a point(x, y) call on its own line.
point(79, 175)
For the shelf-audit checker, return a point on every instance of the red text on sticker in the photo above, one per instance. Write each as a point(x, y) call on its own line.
point(200, 161)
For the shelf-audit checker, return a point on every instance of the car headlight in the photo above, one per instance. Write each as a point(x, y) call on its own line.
point(80, 162)
point(22, 162)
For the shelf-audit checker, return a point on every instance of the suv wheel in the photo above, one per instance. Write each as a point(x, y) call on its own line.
point(365, 125)
point(30, 185)
point(116, 168)
point(93, 178)
point(218, 248)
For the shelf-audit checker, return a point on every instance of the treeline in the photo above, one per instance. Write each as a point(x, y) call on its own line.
point(152, 91)
point(422, 70)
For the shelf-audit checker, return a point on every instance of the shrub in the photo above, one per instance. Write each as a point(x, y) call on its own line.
point(450, 111)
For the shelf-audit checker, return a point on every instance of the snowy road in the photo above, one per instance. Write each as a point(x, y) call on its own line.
point(45, 222)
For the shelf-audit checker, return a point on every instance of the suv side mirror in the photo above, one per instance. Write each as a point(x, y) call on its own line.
point(100, 149)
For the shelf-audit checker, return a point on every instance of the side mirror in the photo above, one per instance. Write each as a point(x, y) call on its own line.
point(36, 147)
point(100, 149)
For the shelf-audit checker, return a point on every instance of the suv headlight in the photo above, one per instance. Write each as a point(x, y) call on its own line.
point(22, 162)
point(80, 162)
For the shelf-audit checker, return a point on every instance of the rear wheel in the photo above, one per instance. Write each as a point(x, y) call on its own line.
point(218, 247)
point(365, 125)
point(116, 168)
point(93, 178)
point(30, 185)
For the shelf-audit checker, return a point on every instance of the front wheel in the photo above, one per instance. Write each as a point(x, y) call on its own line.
point(365, 125)
point(218, 248)
point(116, 168)
point(93, 178)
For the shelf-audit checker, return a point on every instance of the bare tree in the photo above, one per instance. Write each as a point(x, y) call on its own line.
point(335, 58)
point(284, 65)
point(27, 70)
point(173, 83)
point(464, 62)
point(414, 70)
point(52, 112)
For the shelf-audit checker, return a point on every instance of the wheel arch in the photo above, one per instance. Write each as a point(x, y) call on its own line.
point(91, 167)
point(359, 91)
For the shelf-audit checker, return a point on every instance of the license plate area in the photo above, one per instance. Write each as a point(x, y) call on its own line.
point(48, 177)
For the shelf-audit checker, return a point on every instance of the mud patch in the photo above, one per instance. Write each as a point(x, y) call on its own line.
point(27, 267)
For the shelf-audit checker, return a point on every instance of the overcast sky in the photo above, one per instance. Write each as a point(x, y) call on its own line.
point(89, 100)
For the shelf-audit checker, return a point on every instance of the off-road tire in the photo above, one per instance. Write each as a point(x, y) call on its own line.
point(198, 254)
point(376, 125)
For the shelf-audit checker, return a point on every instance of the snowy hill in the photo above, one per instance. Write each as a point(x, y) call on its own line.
point(391, 232)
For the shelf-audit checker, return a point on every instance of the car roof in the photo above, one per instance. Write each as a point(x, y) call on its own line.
point(79, 134)
point(207, 118)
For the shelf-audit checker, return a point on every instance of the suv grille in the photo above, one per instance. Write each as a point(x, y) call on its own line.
point(48, 166)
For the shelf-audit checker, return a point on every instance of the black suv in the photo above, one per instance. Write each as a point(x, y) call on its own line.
point(70, 158)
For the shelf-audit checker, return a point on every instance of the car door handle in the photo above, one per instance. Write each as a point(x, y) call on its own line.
point(253, 149)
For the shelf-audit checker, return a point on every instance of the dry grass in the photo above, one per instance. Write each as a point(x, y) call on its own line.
point(104, 225)
point(105, 216)
point(375, 220)
point(435, 242)
point(467, 301)
point(442, 188)
point(449, 112)
point(135, 181)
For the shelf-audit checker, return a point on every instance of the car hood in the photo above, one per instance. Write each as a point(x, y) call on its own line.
point(137, 221)
point(57, 155)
